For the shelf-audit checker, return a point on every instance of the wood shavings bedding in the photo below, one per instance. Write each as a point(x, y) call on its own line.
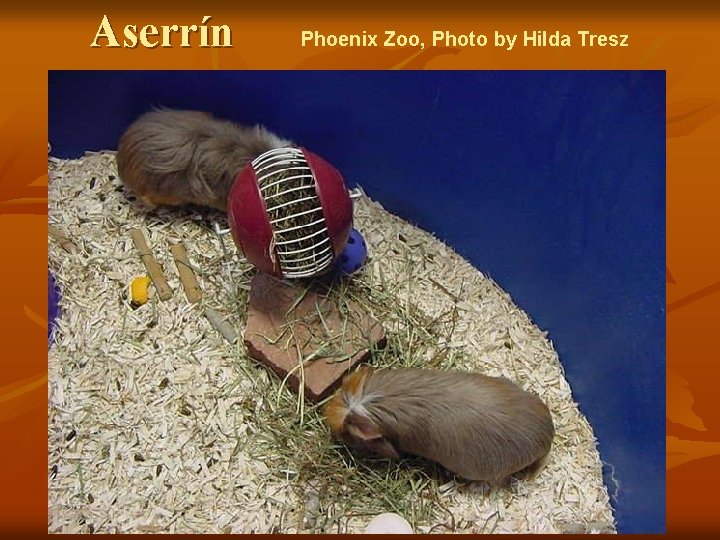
point(158, 424)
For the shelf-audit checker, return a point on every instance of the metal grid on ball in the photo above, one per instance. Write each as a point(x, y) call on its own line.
point(300, 237)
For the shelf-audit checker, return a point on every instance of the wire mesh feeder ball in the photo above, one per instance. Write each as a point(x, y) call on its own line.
point(290, 213)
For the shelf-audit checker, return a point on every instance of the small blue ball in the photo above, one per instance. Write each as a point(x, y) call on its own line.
point(353, 256)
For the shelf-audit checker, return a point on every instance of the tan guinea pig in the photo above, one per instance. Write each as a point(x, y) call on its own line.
point(175, 157)
point(479, 427)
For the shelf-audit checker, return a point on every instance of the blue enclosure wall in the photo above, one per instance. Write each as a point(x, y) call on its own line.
point(552, 183)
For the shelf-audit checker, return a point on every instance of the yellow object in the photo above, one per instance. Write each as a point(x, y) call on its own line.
point(139, 290)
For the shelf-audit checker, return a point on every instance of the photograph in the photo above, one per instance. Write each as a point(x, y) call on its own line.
point(362, 301)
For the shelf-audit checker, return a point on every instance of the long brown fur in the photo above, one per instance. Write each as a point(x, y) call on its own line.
point(479, 427)
point(175, 157)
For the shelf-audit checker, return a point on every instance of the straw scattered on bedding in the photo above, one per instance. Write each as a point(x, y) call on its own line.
point(157, 424)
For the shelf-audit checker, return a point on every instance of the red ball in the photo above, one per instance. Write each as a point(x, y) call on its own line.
point(290, 213)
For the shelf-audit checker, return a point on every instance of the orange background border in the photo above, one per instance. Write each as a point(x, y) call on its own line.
point(685, 42)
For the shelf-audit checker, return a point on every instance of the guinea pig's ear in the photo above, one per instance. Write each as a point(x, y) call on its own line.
point(361, 427)
point(382, 447)
point(366, 431)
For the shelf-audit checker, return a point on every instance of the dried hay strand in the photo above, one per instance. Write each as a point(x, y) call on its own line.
point(157, 423)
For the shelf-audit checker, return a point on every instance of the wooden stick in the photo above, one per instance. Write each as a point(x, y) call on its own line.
point(187, 276)
point(63, 240)
point(221, 325)
point(153, 267)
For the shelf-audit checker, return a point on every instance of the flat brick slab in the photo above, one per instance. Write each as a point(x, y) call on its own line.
point(287, 322)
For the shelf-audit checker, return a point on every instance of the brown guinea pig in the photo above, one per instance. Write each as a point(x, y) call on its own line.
point(174, 157)
point(479, 427)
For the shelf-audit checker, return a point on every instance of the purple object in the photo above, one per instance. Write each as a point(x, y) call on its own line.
point(53, 306)
point(354, 254)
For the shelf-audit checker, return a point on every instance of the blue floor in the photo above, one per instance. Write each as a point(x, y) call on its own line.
point(553, 183)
